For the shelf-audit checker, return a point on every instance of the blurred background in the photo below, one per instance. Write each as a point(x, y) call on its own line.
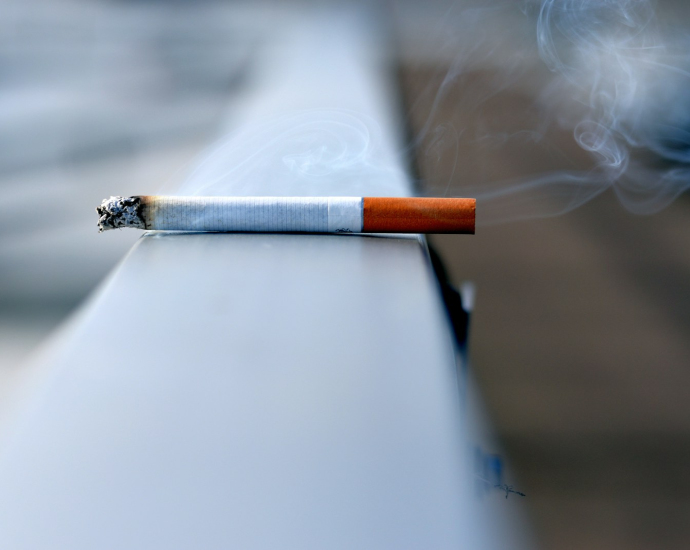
point(580, 336)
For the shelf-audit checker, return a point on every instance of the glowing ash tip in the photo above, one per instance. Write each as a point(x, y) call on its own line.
point(118, 212)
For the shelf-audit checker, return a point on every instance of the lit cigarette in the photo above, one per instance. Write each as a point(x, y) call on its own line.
point(291, 214)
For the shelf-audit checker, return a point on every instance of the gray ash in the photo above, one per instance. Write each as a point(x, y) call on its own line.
point(117, 212)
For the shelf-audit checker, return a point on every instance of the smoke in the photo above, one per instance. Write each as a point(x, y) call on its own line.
point(617, 81)
point(313, 152)
point(606, 74)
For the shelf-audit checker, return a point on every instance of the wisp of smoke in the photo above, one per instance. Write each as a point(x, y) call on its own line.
point(307, 153)
point(613, 54)
point(617, 80)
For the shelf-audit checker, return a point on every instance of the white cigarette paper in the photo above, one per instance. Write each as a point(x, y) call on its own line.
point(265, 214)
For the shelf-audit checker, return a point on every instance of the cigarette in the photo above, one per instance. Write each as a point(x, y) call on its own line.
point(290, 214)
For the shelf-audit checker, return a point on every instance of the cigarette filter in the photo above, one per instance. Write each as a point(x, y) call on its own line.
point(291, 214)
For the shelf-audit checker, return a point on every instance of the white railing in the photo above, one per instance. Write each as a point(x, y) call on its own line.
point(261, 391)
